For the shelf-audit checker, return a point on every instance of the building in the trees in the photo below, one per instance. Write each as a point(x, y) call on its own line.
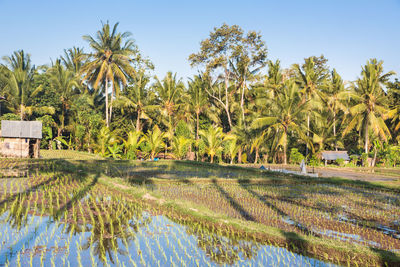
point(20, 139)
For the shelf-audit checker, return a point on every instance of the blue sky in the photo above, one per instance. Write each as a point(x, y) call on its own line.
point(348, 33)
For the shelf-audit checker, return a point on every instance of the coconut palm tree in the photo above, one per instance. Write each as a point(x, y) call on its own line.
point(65, 82)
point(180, 146)
point(155, 141)
point(132, 143)
point(110, 62)
point(370, 107)
point(198, 99)
point(288, 111)
point(335, 97)
point(17, 78)
point(73, 59)
point(310, 77)
point(212, 138)
point(169, 92)
point(136, 97)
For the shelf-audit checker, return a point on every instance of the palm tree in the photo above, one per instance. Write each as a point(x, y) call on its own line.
point(334, 98)
point(169, 92)
point(73, 59)
point(132, 143)
point(110, 62)
point(180, 146)
point(137, 98)
point(64, 81)
point(310, 77)
point(105, 139)
point(198, 99)
point(212, 138)
point(231, 147)
point(155, 141)
point(17, 77)
point(371, 103)
point(288, 110)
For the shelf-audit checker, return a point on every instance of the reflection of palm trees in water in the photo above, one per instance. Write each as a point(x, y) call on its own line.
point(113, 223)
point(221, 249)
point(17, 214)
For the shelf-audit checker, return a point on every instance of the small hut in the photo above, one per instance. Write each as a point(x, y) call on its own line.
point(20, 139)
point(329, 156)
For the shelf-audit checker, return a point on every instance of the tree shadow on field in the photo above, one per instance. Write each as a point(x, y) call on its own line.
point(387, 258)
point(233, 202)
point(270, 205)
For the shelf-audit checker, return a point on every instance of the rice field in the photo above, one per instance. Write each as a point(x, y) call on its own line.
point(60, 212)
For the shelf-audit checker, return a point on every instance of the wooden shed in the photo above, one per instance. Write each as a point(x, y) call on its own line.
point(20, 139)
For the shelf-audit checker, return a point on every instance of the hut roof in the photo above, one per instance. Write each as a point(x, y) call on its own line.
point(334, 155)
point(21, 129)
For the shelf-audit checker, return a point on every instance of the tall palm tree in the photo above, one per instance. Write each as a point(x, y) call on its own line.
point(137, 98)
point(288, 111)
point(212, 138)
point(310, 77)
point(371, 103)
point(198, 99)
point(335, 96)
point(17, 78)
point(110, 62)
point(73, 59)
point(169, 92)
point(64, 81)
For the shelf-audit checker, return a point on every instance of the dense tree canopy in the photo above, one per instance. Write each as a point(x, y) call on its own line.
point(239, 107)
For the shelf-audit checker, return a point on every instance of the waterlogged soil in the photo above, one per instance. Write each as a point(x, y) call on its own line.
point(364, 216)
point(68, 219)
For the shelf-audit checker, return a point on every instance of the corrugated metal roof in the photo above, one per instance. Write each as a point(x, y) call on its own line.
point(334, 155)
point(21, 129)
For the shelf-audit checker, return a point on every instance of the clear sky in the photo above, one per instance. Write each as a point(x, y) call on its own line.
point(348, 32)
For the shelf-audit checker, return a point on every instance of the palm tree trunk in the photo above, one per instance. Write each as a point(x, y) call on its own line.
point(256, 157)
point(111, 104)
point(106, 95)
point(240, 155)
point(212, 158)
point(22, 111)
point(227, 99)
point(308, 132)
point(242, 102)
point(138, 121)
point(197, 125)
point(366, 136)
point(334, 129)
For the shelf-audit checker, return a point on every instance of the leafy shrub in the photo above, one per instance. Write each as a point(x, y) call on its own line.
point(295, 156)
point(364, 158)
point(314, 161)
point(340, 162)
point(182, 129)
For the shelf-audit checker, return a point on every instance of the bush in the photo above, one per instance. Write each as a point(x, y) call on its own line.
point(182, 129)
point(340, 162)
point(295, 156)
point(314, 161)
point(364, 158)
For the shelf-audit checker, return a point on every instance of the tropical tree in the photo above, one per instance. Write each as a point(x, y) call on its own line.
point(110, 62)
point(105, 139)
point(169, 92)
point(198, 99)
point(180, 146)
point(287, 113)
point(212, 138)
point(132, 143)
point(370, 107)
point(17, 79)
point(335, 97)
point(311, 76)
point(73, 59)
point(65, 82)
point(137, 98)
point(155, 141)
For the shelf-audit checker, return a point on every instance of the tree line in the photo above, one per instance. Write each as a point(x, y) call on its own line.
point(240, 107)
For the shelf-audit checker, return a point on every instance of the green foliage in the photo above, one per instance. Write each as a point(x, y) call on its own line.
point(182, 130)
point(180, 146)
point(314, 161)
point(295, 156)
point(9, 117)
point(364, 158)
point(340, 162)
